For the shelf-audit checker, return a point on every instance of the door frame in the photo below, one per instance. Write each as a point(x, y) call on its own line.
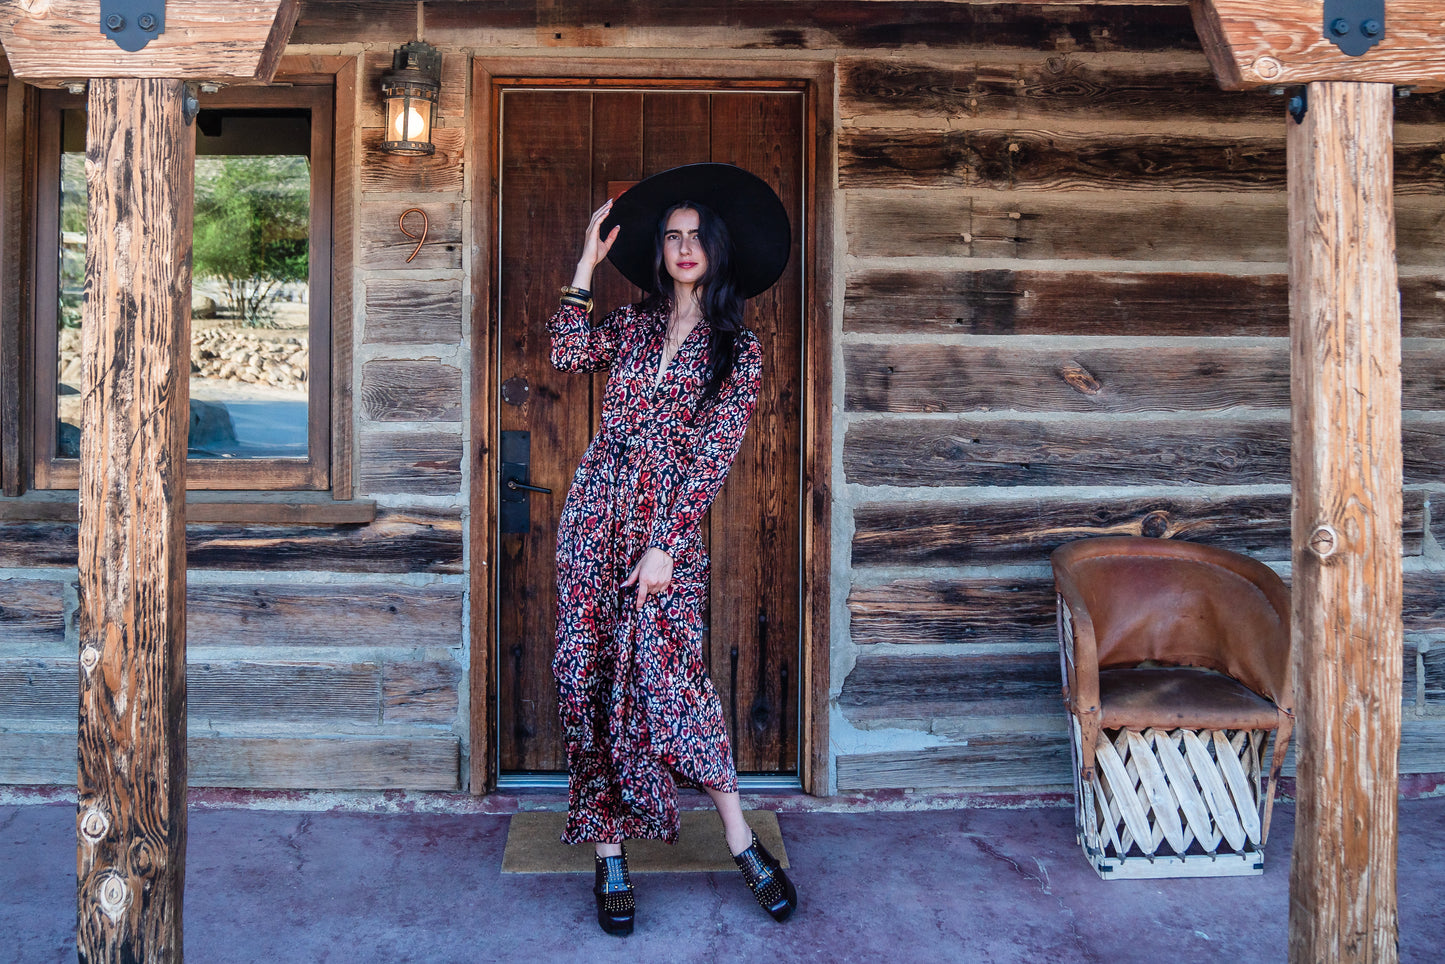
point(815, 80)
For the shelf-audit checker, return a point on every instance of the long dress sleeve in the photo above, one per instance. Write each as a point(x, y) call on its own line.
point(724, 425)
point(579, 346)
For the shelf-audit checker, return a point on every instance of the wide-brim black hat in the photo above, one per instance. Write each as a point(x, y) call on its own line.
point(754, 216)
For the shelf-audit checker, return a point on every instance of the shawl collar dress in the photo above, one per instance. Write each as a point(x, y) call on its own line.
point(637, 706)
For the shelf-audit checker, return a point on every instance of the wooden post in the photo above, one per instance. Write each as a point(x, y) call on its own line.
point(1346, 473)
point(131, 815)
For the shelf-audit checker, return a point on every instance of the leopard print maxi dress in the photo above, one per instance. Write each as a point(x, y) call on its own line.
point(636, 703)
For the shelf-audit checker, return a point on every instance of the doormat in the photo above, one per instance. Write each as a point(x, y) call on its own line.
point(534, 845)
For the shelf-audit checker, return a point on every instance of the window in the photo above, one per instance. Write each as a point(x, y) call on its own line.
point(261, 326)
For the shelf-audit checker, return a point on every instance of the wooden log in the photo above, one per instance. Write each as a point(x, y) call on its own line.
point(1010, 302)
point(1066, 160)
point(131, 788)
point(413, 312)
point(785, 24)
point(384, 246)
point(411, 391)
point(1423, 606)
point(32, 613)
point(1346, 622)
point(349, 616)
point(1165, 226)
point(421, 692)
point(1286, 44)
point(218, 692)
point(952, 611)
point(400, 540)
point(405, 760)
point(61, 39)
point(961, 378)
point(889, 690)
point(1065, 85)
point(1006, 762)
point(979, 532)
point(436, 173)
point(1085, 451)
point(420, 463)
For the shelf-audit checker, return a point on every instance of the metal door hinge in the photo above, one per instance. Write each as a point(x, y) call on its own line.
point(1354, 25)
point(132, 23)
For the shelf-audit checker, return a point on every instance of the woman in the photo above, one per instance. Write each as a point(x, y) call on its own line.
point(638, 709)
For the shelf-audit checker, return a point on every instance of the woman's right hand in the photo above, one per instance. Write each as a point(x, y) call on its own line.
point(595, 247)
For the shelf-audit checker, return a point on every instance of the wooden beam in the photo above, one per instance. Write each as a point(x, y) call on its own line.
point(1252, 44)
point(239, 40)
point(1347, 518)
point(131, 786)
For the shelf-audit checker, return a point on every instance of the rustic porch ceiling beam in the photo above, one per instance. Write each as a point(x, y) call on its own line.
point(231, 41)
point(1253, 43)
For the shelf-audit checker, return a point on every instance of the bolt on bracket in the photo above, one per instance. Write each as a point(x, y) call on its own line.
point(1354, 25)
point(132, 23)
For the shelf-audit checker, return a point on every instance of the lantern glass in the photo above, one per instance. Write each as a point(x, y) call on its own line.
point(411, 90)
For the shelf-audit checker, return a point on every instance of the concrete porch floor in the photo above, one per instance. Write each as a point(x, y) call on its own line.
point(988, 885)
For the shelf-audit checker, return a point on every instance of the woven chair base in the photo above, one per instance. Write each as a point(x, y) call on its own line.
point(1172, 803)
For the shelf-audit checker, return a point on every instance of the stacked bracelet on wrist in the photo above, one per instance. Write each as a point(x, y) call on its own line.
point(577, 297)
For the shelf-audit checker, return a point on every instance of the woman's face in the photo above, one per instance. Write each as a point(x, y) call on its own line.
point(682, 252)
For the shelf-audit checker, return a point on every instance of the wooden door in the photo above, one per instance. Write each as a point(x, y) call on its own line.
point(560, 150)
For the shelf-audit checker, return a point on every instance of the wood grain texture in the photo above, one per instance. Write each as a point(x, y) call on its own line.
point(131, 787)
point(384, 246)
point(413, 312)
point(889, 690)
point(343, 269)
point(240, 40)
point(1346, 612)
point(420, 463)
point(1138, 378)
point(411, 391)
point(1066, 160)
point(13, 259)
point(1284, 43)
point(1006, 301)
point(437, 173)
point(32, 612)
point(1005, 761)
point(268, 614)
point(1167, 226)
point(1085, 451)
point(420, 692)
point(952, 611)
point(779, 24)
point(403, 761)
point(1026, 530)
point(399, 540)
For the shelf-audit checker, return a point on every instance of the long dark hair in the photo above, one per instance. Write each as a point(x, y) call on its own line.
point(722, 306)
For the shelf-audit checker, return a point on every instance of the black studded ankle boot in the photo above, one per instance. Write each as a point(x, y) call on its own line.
point(765, 878)
point(615, 901)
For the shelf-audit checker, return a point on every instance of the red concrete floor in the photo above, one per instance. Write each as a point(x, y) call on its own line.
point(988, 885)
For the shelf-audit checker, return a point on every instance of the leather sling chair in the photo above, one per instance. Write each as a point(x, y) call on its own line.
point(1176, 666)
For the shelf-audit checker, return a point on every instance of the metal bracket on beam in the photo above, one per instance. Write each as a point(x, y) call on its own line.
point(132, 23)
point(1354, 25)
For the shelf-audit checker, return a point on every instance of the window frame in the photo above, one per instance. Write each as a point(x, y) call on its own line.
point(315, 472)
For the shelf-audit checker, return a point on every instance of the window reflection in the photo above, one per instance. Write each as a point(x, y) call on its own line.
point(250, 302)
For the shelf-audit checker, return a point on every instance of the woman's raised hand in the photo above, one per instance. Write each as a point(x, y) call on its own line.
point(652, 574)
point(595, 247)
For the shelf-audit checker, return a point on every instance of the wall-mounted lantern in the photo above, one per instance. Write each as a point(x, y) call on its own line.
point(411, 89)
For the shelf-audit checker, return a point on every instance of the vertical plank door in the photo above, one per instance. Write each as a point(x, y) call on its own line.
point(561, 151)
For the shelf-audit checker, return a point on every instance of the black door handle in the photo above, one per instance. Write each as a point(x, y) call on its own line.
point(514, 485)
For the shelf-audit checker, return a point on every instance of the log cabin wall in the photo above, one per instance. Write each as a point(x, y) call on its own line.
point(1060, 311)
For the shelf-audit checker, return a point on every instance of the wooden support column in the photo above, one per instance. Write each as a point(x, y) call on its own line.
point(1345, 388)
point(131, 815)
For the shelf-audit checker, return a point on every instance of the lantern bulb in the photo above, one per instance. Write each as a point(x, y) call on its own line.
point(409, 125)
